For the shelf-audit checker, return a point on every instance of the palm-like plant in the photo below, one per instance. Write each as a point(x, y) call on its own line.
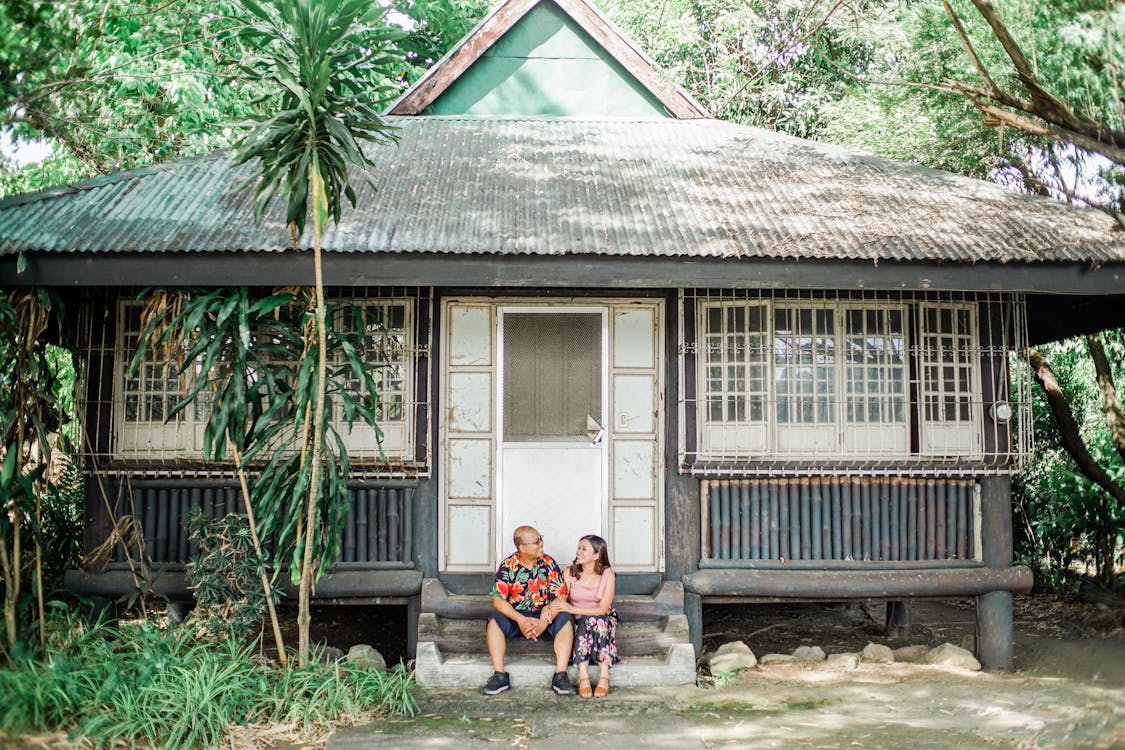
point(324, 57)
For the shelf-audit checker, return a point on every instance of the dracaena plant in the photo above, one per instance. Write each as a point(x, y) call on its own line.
point(327, 61)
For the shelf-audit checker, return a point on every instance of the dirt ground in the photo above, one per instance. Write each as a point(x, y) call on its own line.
point(1068, 691)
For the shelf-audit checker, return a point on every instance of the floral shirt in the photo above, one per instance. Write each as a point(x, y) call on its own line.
point(529, 590)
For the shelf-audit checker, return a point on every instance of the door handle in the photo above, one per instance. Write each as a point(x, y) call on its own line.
point(594, 430)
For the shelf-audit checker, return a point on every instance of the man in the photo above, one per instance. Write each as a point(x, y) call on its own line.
point(527, 583)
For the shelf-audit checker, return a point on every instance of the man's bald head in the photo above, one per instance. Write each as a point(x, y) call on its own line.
point(526, 535)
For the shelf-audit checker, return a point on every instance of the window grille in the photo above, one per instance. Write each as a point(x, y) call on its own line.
point(127, 422)
point(818, 381)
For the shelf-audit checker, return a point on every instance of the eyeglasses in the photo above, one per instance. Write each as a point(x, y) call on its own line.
point(533, 542)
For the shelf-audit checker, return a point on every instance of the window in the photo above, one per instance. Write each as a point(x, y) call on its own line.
point(832, 378)
point(875, 379)
point(735, 377)
point(389, 358)
point(950, 381)
point(145, 400)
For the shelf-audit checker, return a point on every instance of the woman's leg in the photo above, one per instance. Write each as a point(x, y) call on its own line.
point(584, 680)
point(603, 677)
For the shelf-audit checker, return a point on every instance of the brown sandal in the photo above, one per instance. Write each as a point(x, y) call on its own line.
point(602, 689)
point(584, 690)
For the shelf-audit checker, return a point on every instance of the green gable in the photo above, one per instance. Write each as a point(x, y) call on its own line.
point(547, 66)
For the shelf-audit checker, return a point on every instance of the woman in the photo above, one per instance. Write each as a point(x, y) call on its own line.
point(591, 583)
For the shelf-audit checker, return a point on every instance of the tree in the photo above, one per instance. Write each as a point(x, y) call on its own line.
point(317, 54)
point(1019, 90)
point(120, 83)
point(114, 84)
point(1068, 516)
point(29, 383)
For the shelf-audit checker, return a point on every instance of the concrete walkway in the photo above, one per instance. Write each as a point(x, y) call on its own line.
point(885, 706)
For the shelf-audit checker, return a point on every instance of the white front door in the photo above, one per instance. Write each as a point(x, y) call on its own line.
point(551, 416)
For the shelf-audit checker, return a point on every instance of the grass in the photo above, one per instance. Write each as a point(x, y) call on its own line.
point(138, 685)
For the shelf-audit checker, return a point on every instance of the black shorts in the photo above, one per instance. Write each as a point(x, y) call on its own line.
point(511, 629)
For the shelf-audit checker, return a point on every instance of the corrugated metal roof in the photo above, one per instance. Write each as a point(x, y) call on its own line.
point(698, 188)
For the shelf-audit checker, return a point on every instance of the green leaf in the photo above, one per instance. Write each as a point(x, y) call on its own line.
point(319, 196)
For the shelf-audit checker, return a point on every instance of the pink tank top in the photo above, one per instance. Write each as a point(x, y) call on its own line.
point(588, 596)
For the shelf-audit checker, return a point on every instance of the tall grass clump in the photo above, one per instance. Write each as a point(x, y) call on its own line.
point(139, 685)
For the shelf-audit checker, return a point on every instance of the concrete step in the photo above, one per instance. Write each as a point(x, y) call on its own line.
point(668, 599)
point(644, 638)
point(676, 666)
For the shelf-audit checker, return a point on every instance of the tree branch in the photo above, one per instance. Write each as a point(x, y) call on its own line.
point(1059, 121)
point(1068, 429)
point(1109, 148)
point(1111, 404)
point(1044, 98)
point(968, 45)
point(779, 53)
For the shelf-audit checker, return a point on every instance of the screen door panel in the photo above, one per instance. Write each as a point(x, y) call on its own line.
point(552, 376)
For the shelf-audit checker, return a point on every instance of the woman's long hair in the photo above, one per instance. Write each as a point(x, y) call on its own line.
point(601, 550)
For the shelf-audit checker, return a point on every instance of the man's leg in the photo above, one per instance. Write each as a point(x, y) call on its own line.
point(499, 630)
point(497, 645)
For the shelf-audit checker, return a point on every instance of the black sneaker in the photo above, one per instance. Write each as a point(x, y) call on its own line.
point(560, 683)
point(496, 684)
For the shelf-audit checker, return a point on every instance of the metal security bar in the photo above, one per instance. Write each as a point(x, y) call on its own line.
point(379, 526)
point(860, 519)
point(818, 382)
point(128, 421)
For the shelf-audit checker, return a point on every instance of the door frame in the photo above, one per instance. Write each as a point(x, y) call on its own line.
point(464, 469)
point(502, 542)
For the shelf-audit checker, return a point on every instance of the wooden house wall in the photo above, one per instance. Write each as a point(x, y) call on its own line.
point(684, 520)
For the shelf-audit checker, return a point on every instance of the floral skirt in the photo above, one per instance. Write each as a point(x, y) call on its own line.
point(595, 639)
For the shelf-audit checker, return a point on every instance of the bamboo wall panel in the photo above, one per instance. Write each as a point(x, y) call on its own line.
point(377, 529)
point(840, 518)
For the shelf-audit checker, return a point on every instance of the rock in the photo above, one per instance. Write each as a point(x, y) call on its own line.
point(948, 655)
point(877, 653)
point(911, 654)
point(731, 657)
point(362, 655)
point(842, 661)
point(809, 653)
point(776, 659)
point(178, 612)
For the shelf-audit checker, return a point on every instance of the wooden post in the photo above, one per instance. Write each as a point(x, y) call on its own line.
point(424, 528)
point(898, 618)
point(994, 609)
point(693, 608)
point(413, 609)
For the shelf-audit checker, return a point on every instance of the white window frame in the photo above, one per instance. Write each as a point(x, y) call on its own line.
point(140, 438)
point(811, 424)
point(875, 438)
point(183, 438)
point(745, 436)
point(841, 437)
point(950, 436)
point(398, 434)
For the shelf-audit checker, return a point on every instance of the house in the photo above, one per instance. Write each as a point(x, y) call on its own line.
point(763, 368)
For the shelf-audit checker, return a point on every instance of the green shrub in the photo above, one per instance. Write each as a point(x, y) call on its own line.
point(139, 685)
point(224, 577)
